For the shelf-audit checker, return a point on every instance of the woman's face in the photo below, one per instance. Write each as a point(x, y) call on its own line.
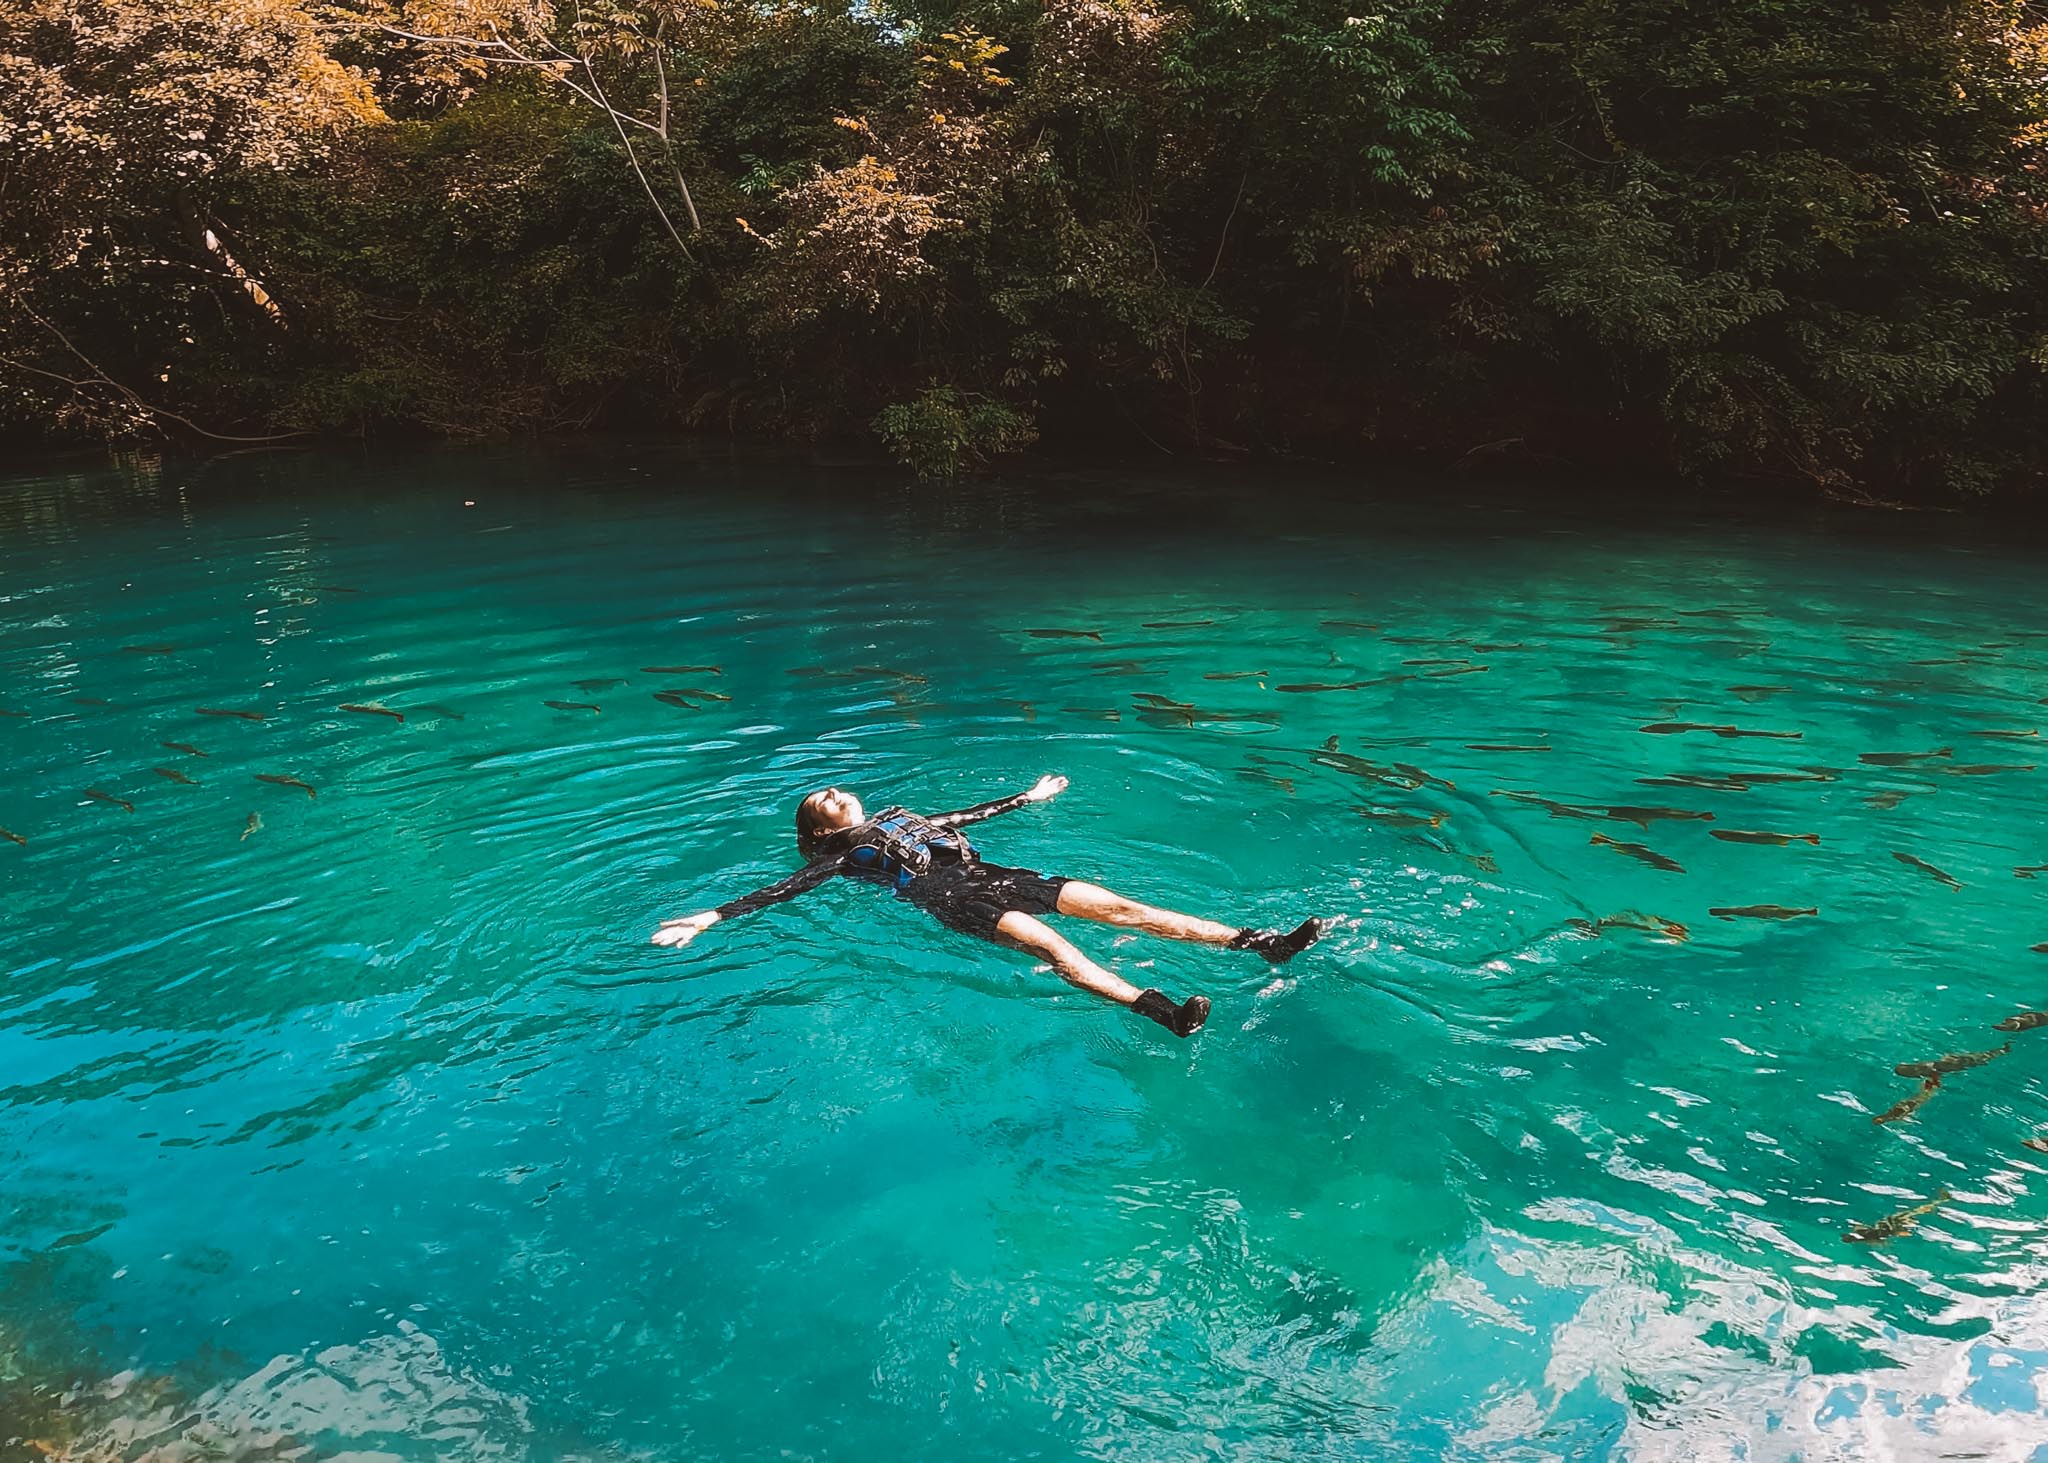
point(838, 808)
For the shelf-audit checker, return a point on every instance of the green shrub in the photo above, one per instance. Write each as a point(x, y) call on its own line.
point(944, 431)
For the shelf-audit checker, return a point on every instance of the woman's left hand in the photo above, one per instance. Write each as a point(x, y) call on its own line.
point(1049, 786)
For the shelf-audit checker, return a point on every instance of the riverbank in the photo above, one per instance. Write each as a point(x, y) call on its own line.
point(1790, 247)
point(1293, 489)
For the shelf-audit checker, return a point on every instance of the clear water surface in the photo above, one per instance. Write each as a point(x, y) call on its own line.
point(381, 1128)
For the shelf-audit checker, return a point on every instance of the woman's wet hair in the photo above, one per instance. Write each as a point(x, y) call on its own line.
point(810, 823)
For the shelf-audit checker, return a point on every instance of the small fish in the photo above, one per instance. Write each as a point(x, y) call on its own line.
point(1903, 759)
point(6, 711)
point(1483, 862)
point(282, 781)
point(1641, 854)
point(12, 837)
point(89, 701)
point(1106, 713)
point(2041, 949)
point(1778, 840)
point(1630, 919)
point(1885, 801)
point(1253, 774)
point(668, 696)
point(1309, 687)
point(908, 677)
point(334, 589)
point(1893, 1225)
point(2037, 1143)
point(149, 650)
point(1697, 779)
point(1678, 728)
point(1095, 635)
point(1505, 747)
point(1555, 809)
point(569, 705)
point(1463, 670)
point(222, 711)
point(1953, 1062)
point(1177, 624)
point(1025, 709)
point(1497, 649)
point(1153, 698)
point(1810, 774)
point(1348, 625)
point(1905, 1107)
point(1984, 769)
point(171, 774)
point(700, 693)
point(1757, 693)
point(595, 683)
point(681, 670)
point(1236, 675)
point(106, 797)
point(254, 824)
point(1457, 660)
point(1757, 734)
point(1427, 779)
point(1629, 627)
point(186, 747)
point(444, 711)
point(374, 708)
point(1395, 818)
point(1761, 911)
point(2010, 736)
point(2024, 1021)
point(1926, 868)
point(1644, 817)
point(2029, 871)
point(1359, 767)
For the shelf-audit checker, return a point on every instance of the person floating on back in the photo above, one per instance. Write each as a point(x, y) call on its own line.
point(928, 862)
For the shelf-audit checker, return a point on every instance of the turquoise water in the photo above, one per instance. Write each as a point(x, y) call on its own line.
point(383, 1128)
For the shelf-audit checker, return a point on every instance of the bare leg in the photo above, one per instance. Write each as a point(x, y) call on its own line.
point(1092, 901)
point(1075, 968)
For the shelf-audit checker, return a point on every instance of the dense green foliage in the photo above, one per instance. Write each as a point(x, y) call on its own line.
point(1771, 237)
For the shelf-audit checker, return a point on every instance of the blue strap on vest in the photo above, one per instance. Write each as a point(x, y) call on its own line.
point(898, 845)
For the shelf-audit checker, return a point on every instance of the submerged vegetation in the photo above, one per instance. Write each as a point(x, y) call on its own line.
point(1770, 237)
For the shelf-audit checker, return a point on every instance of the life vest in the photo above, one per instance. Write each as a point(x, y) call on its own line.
point(899, 846)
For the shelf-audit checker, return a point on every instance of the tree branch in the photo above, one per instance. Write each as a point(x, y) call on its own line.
point(101, 378)
point(668, 151)
point(632, 157)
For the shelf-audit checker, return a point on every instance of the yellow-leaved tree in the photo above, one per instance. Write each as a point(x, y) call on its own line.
point(119, 118)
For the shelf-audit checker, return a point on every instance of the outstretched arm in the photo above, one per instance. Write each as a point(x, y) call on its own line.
point(678, 932)
point(1046, 787)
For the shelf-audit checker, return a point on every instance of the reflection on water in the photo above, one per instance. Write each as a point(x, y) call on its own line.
point(344, 1105)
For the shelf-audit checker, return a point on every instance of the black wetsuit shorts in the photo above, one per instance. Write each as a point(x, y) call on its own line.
point(971, 897)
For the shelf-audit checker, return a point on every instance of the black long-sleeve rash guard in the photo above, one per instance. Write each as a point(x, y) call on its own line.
point(839, 855)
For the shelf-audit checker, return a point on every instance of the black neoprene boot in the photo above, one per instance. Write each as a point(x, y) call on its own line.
point(1276, 947)
point(1182, 1020)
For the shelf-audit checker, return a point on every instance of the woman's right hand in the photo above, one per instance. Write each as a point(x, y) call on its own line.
point(675, 933)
